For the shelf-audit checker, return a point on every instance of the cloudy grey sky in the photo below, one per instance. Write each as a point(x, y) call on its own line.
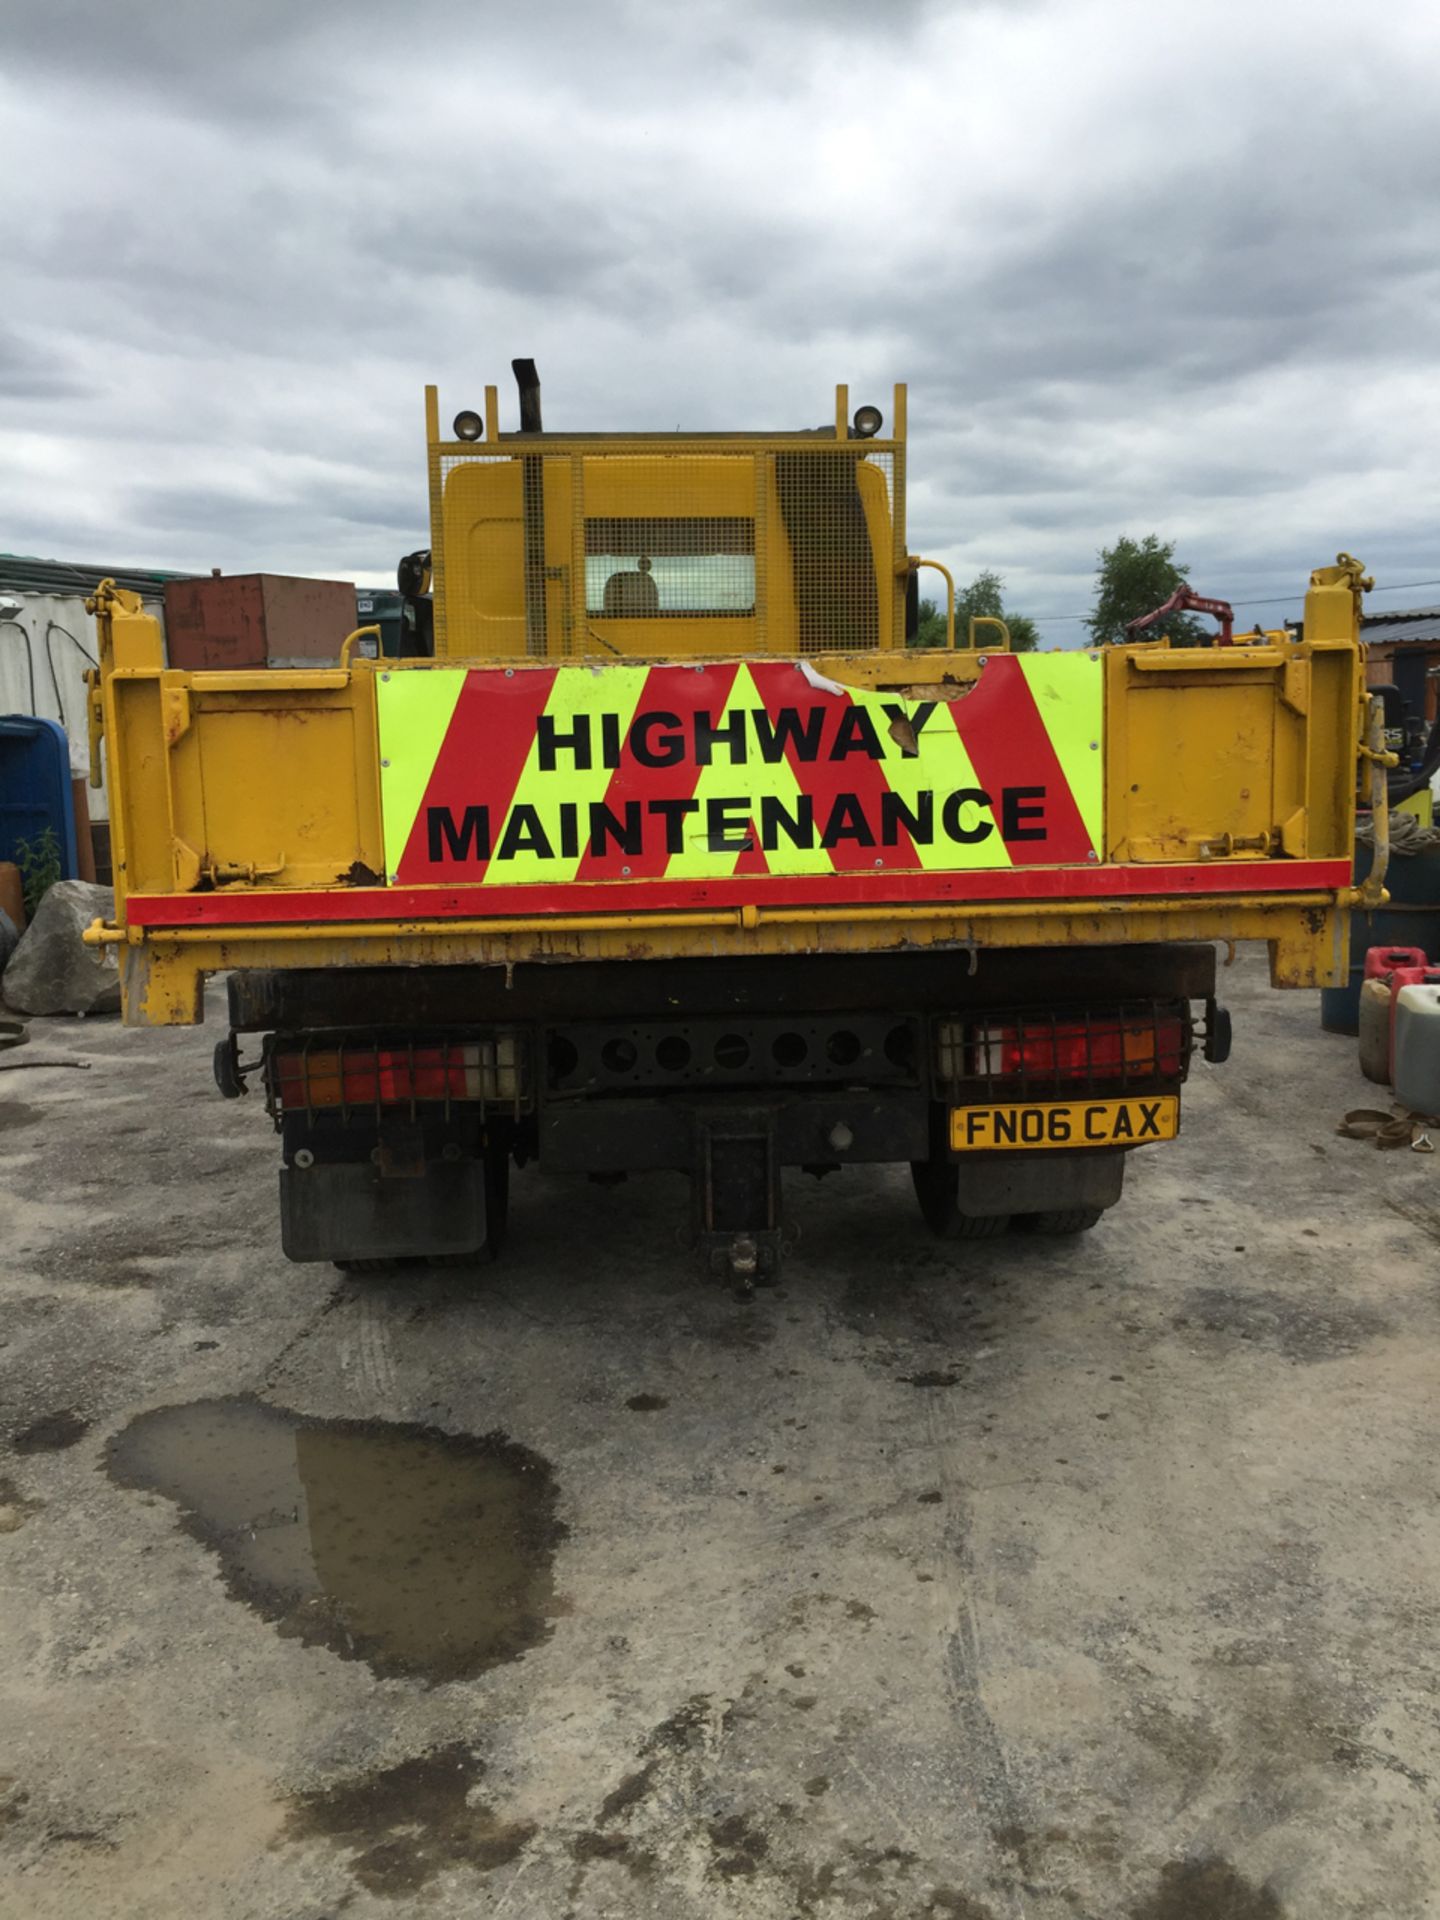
point(1145, 267)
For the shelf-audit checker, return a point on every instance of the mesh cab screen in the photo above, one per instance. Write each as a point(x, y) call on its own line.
point(654, 547)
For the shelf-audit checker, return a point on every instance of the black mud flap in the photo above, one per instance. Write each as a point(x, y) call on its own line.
point(348, 1211)
point(991, 1183)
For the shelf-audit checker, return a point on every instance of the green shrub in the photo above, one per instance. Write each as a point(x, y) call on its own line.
point(39, 863)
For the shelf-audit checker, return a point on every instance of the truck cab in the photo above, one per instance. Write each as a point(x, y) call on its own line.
point(669, 546)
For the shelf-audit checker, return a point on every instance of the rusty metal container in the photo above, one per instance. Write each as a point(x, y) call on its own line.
point(244, 620)
point(12, 894)
point(1375, 1030)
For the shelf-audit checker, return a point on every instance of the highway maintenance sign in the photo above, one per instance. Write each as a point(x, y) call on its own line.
point(564, 775)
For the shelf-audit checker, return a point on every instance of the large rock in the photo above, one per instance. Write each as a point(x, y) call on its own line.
point(52, 970)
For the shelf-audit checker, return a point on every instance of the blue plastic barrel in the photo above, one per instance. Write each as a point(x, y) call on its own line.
point(35, 788)
point(1411, 919)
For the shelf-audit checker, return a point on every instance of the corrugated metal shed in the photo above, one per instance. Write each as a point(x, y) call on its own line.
point(47, 640)
point(21, 573)
point(1415, 626)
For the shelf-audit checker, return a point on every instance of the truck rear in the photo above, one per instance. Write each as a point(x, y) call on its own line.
point(664, 849)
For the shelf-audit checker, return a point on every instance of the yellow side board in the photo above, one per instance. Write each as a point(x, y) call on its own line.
point(236, 782)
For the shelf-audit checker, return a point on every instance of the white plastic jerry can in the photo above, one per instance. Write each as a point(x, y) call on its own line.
point(1417, 1048)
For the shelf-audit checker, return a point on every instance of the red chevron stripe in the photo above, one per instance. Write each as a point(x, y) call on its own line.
point(825, 779)
point(677, 690)
point(1009, 747)
point(500, 712)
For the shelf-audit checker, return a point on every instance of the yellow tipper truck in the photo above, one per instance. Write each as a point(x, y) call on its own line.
point(666, 850)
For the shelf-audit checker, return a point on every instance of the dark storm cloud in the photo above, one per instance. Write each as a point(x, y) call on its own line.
point(1141, 271)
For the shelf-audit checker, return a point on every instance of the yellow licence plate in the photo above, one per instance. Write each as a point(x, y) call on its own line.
point(1065, 1123)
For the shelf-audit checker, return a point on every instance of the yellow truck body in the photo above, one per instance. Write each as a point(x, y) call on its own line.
point(670, 717)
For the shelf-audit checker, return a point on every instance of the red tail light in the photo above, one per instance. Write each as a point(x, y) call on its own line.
point(1099, 1048)
point(377, 1076)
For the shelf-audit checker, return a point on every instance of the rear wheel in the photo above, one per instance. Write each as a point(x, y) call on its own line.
point(937, 1184)
point(1062, 1220)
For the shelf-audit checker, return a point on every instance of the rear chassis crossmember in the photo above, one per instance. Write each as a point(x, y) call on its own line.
point(818, 1062)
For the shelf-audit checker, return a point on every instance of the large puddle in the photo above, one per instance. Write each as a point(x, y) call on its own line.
point(423, 1553)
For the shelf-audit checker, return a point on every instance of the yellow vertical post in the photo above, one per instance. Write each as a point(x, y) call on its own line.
point(764, 463)
point(577, 625)
point(437, 513)
point(897, 515)
point(492, 413)
point(842, 413)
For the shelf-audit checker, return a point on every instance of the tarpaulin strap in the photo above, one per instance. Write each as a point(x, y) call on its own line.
point(14, 1033)
point(1397, 1128)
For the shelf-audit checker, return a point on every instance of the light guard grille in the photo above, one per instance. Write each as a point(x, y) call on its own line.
point(1030, 1053)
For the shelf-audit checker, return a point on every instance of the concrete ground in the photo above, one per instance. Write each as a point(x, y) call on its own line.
point(1021, 1579)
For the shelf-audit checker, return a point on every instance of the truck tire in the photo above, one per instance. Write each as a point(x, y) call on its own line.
point(936, 1186)
point(1061, 1220)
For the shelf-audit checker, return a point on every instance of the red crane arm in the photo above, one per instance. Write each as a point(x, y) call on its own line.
point(1186, 600)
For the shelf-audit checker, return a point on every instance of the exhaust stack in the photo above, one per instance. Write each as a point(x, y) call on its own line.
point(528, 381)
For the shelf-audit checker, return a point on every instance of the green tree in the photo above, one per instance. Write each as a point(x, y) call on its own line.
point(1135, 577)
point(931, 630)
point(984, 595)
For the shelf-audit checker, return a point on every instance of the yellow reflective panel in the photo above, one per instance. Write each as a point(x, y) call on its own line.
point(1069, 694)
point(414, 710)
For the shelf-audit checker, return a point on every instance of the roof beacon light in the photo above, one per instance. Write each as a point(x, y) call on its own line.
point(468, 425)
point(868, 422)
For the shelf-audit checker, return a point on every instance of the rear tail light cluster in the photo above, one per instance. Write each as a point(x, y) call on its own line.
point(1116, 1047)
point(372, 1077)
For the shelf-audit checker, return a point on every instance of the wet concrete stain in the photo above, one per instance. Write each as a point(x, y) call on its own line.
point(51, 1433)
point(1036, 1852)
point(630, 1792)
point(13, 1800)
point(15, 1114)
point(1206, 1890)
point(747, 1334)
point(929, 1379)
point(739, 1847)
point(873, 1865)
point(402, 1825)
point(1300, 1331)
point(949, 1904)
point(647, 1403)
point(585, 1848)
point(679, 1729)
point(1188, 1743)
point(104, 1261)
point(426, 1554)
point(676, 1734)
point(1351, 1753)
